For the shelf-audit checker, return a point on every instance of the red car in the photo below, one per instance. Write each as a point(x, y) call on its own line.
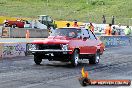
point(68, 45)
point(17, 23)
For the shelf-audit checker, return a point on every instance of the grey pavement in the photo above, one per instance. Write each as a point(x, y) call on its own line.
point(21, 72)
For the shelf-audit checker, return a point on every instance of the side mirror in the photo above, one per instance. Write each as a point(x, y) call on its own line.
point(85, 37)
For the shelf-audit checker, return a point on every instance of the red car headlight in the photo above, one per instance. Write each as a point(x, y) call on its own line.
point(64, 46)
point(32, 46)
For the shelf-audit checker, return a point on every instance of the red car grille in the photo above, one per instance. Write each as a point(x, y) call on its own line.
point(42, 46)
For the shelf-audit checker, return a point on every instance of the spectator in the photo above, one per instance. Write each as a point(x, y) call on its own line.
point(75, 24)
point(72, 34)
point(114, 31)
point(127, 31)
point(119, 30)
point(113, 20)
point(108, 30)
point(68, 24)
point(104, 20)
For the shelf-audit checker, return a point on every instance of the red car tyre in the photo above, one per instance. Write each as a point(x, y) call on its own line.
point(14, 25)
point(37, 59)
point(75, 58)
point(95, 59)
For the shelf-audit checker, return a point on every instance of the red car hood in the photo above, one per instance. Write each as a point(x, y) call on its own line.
point(52, 40)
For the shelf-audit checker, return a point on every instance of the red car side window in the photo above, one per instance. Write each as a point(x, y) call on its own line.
point(92, 36)
point(85, 34)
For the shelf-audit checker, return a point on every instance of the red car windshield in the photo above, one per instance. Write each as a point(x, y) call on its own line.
point(69, 32)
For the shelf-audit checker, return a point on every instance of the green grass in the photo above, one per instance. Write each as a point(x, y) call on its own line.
point(82, 10)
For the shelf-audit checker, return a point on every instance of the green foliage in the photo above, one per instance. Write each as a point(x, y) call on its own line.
point(97, 2)
point(82, 10)
point(2, 2)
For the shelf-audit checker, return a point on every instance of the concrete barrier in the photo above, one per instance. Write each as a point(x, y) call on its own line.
point(130, 38)
point(8, 32)
point(10, 49)
point(18, 40)
point(116, 41)
point(1, 47)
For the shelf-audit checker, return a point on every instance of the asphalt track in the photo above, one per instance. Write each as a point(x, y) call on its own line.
point(21, 72)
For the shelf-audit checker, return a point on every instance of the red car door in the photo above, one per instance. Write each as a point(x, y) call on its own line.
point(93, 42)
point(84, 48)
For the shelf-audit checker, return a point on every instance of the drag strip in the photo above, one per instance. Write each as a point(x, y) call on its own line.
point(21, 72)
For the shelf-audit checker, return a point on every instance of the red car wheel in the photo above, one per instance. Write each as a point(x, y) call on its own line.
point(75, 58)
point(95, 59)
point(37, 59)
